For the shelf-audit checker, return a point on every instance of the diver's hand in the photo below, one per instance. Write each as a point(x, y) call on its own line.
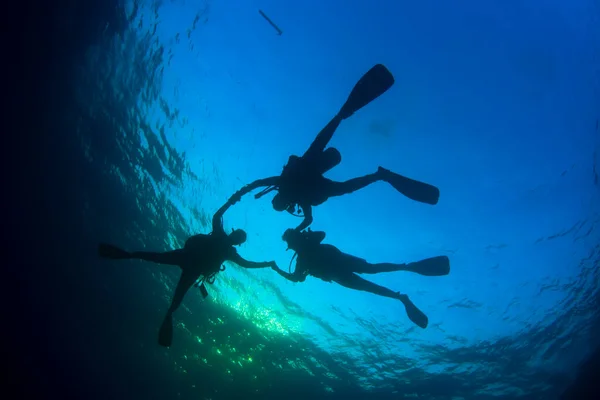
point(237, 196)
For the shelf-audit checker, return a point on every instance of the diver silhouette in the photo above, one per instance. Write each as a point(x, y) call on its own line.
point(202, 256)
point(328, 263)
point(301, 185)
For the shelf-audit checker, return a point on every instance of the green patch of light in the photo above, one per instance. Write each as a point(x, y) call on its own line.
point(262, 317)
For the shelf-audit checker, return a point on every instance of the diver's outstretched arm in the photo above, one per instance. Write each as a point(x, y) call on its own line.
point(217, 221)
point(299, 275)
point(308, 218)
point(242, 262)
point(270, 181)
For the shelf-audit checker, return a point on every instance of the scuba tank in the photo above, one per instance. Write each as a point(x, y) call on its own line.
point(314, 237)
point(319, 164)
point(298, 170)
point(287, 173)
point(328, 159)
point(209, 278)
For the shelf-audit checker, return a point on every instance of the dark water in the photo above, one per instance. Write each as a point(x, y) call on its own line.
point(87, 159)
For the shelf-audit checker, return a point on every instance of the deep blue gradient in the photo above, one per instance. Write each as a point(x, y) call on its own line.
point(495, 102)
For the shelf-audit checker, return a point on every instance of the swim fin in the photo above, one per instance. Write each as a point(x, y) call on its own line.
point(372, 85)
point(415, 190)
point(165, 335)
point(109, 251)
point(414, 314)
point(434, 266)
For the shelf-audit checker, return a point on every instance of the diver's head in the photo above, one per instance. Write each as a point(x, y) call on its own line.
point(293, 238)
point(280, 203)
point(237, 237)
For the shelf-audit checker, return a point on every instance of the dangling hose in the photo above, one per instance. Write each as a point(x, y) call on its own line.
point(293, 208)
point(211, 277)
point(291, 261)
point(265, 191)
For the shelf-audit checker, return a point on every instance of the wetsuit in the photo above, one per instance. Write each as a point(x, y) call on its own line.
point(202, 255)
point(302, 183)
point(328, 263)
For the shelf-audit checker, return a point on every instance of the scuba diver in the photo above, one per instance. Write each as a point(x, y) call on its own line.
point(328, 263)
point(200, 260)
point(301, 185)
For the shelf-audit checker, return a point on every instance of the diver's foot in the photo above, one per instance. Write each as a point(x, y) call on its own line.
point(415, 190)
point(413, 313)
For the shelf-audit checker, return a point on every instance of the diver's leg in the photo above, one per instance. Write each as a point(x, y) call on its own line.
point(175, 257)
point(362, 266)
point(433, 266)
point(318, 145)
point(371, 85)
point(355, 282)
point(187, 279)
point(368, 268)
point(352, 185)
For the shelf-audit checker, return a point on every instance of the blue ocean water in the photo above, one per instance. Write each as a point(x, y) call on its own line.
point(496, 103)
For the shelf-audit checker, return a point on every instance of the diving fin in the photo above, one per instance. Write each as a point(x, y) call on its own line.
point(434, 266)
point(109, 251)
point(372, 85)
point(414, 314)
point(415, 190)
point(165, 335)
